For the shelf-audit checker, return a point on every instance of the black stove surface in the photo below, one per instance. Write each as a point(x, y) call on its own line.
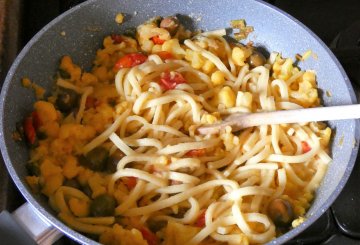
point(336, 22)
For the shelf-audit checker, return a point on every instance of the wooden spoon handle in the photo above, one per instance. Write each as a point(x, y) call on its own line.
point(239, 121)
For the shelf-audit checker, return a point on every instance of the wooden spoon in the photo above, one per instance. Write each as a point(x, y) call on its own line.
point(239, 121)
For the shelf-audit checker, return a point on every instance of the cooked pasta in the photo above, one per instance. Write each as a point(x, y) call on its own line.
point(118, 154)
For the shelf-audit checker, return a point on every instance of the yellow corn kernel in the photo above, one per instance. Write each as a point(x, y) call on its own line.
point(244, 99)
point(227, 97)
point(208, 119)
point(218, 78)
point(119, 18)
point(194, 58)
point(79, 208)
point(163, 160)
point(238, 56)
point(52, 183)
point(208, 67)
point(46, 111)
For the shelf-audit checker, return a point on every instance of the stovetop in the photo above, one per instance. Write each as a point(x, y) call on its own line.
point(336, 22)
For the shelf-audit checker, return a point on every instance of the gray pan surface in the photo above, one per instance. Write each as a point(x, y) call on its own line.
point(86, 25)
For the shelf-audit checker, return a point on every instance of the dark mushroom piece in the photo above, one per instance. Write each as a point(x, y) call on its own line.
point(102, 206)
point(156, 225)
point(113, 160)
point(72, 183)
point(170, 23)
point(67, 100)
point(281, 212)
point(256, 59)
point(33, 168)
point(95, 159)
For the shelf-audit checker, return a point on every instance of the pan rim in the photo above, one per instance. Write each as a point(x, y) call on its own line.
point(83, 239)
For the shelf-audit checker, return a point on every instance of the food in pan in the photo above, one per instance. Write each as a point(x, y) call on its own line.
point(117, 153)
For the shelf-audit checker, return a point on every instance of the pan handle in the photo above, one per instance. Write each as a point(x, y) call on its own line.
point(36, 225)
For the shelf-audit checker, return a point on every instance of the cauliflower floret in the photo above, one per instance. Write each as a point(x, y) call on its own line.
point(120, 236)
point(310, 77)
point(146, 31)
point(46, 111)
point(173, 46)
point(97, 185)
point(306, 95)
point(195, 58)
point(179, 234)
point(52, 183)
point(48, 167)
point(68, 66)
point(70, 169)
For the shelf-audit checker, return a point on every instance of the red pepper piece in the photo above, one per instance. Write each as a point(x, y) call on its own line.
point(200, 222)
point(195, 153)
point(164, 55)
point(117, 38)
point(157, 40)
point(130, 60)
point(29, 130)
point(169, 80)
point(305, 146)
point(36, 120)
point(150, 237)
point(130, 182)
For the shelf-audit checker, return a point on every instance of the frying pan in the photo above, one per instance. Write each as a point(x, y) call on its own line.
point(85, 26)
